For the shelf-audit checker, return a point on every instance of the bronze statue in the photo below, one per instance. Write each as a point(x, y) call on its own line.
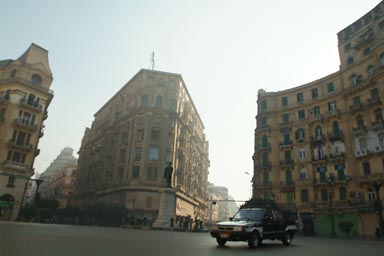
point(168, 175)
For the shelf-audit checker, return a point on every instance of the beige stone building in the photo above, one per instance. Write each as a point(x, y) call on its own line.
point(24, 100)
point(319, 147)
point(149, 122)
point(60, 186)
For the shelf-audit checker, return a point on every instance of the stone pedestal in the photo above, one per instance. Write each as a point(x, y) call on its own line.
point(167, 208)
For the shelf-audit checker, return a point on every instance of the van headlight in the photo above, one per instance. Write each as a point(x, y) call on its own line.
point(238, 229)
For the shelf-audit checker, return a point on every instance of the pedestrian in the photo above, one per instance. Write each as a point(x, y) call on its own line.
point(378, 233)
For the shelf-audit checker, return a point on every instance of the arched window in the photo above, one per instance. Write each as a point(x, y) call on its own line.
point(36, 79)
point(370, 70)
point(159, 101)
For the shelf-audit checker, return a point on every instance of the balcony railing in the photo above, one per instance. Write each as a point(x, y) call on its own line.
point(378, 125)
point(319, 159)
point(333, 112)
point(364, 39)
point(25, 123)
point(287, 143)
point(264, 185)
point(265, 165)
point(335, 136)
point(356, 107)
point(316, 118)
point(286, 163)
point(337, 155)
point(263, 146)
point(374, 101)
point(19, 146)
point(34, 105)
point(263, 127)
point(317, 139)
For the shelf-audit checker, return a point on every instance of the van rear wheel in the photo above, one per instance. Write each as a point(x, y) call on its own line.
point(287, 238)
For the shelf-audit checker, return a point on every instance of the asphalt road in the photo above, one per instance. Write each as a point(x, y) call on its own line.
point(30, 239)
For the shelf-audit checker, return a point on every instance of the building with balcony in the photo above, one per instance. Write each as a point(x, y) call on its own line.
point(24, 100)
point(148, 123)
point(60, 186)
point(63, 160)
point(319, 147)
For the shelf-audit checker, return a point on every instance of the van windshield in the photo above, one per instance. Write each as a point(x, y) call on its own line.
point(253, 214)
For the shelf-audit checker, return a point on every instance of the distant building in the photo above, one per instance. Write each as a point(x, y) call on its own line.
point(24, 100)
point(222, 205)
point(60, 186)
point(63, 160)
point(319, 147)
point(149, 122)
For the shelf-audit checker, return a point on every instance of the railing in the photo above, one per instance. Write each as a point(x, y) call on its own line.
point(26, 123)
point(336, 136)
point(374, 101)
point(31, 104)
point(287, 162)
point(355, 107)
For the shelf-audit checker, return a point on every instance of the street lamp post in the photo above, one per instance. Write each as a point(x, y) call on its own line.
point(331, 183)
point(251, 192)
point(378, 206)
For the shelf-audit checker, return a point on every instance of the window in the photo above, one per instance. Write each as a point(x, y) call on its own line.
point(350, 61)
point(288, 178)
point(284, 101)
point(36, 79)
point(324, 194)
point(304, 195)
point(290, 197)
point(140, 135)
point(301, 153)
point(159, 101)
point(285, 118)
point(263, 104)
point(331, 106)
point(303, 174)
point(335, 128)
point(152, 172)
point(265, 178)
point(366, 168)
point(11, 181)
point(137, 154)
point(382, 60)
point(343, 193)
point(378, 114)
point(371, 194)
point(316, 111)
point(135, 171)
point(366, 51)
point(300, 134)
point(340, 171)
point(360, 121)
point(153, 154)
point(155, 136)
point(144, 100)
point(301, 114)
point(330, 87)
point(314, 93)
point(322, 173)
point(263, 121)
point(318, 133)
point(355, 79)
point(287, 139)
point(348, 46)
point(300, 97)
point(13, 73)
point(374, 93)
point(172, 104)
point(381, 24)
point(264, 141)
point(264, 159)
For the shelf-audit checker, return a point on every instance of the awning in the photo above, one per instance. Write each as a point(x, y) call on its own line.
point(4, 204)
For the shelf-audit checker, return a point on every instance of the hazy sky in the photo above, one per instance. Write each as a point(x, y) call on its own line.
point(225, 50)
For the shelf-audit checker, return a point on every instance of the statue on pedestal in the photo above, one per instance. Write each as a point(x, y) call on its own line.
point(168, 175)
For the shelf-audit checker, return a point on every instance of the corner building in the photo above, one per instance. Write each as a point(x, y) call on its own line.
point(149, 122)
point(24, 100)
point(319, 147)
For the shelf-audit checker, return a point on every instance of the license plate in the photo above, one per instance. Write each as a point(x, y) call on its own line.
point(224, 235)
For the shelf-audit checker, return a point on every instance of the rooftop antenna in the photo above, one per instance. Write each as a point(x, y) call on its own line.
point(152, 60)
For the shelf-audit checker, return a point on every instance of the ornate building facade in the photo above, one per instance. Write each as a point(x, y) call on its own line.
point(148, 123)
point(24, 100)
point(319, 147)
